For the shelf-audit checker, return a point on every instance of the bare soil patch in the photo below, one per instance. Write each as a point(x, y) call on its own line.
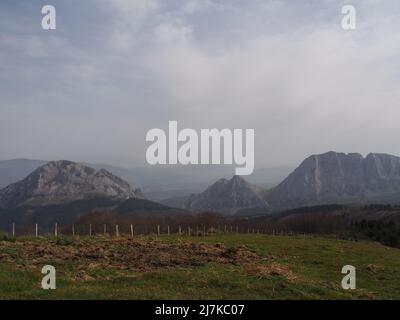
point(121, 254)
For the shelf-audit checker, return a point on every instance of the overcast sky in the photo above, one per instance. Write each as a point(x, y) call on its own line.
point(114, 69)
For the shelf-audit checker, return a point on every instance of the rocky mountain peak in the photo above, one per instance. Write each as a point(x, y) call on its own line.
point(227, 196)
point(335, 177)
point(64, 181)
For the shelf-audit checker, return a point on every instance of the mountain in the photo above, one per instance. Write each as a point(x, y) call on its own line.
point(339, 178)
point(62, 182)
point(227, 196)
point(64, 191)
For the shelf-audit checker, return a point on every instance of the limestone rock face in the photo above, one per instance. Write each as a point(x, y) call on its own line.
point(65, 181)
point(339, 178)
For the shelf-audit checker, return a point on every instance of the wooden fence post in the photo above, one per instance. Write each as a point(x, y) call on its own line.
point(90, 230)
point(180, 230)
point(13, 230)
point(36, 230)
point(158, 230)
point(116, 231)
point(104, 229)
point(168, 230)
point(132, 230)
point(56, 230)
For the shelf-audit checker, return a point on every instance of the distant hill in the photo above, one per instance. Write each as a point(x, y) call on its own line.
point(81, 211)
point(141, 206)
point(138, 211)
point(26, 216)
point(227, 196)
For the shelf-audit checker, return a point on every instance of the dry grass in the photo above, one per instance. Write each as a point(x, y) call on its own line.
point(274, 269)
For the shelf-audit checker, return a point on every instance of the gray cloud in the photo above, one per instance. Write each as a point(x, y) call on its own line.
point(112, 70)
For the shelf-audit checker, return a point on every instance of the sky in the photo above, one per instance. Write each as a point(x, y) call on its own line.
point(114, 69)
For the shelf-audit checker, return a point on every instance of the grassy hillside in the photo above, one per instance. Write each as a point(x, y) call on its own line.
point(224, 266)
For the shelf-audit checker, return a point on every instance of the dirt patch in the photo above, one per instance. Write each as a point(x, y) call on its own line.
point(273, 269)
point(121, 254)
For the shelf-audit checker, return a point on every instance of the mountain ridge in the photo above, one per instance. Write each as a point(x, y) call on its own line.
point(159, 182)
point(328, 178)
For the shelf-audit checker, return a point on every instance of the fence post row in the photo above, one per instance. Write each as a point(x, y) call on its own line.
point(191, 231)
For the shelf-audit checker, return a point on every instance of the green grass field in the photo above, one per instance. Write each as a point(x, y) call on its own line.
point(286, 267)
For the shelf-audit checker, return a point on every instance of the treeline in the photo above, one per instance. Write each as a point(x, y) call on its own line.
point(382, 225)
point(145, 224)
point(98, 222)
point(385, 232)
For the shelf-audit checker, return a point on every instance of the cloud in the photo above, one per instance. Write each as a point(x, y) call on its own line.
point(115, 69)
